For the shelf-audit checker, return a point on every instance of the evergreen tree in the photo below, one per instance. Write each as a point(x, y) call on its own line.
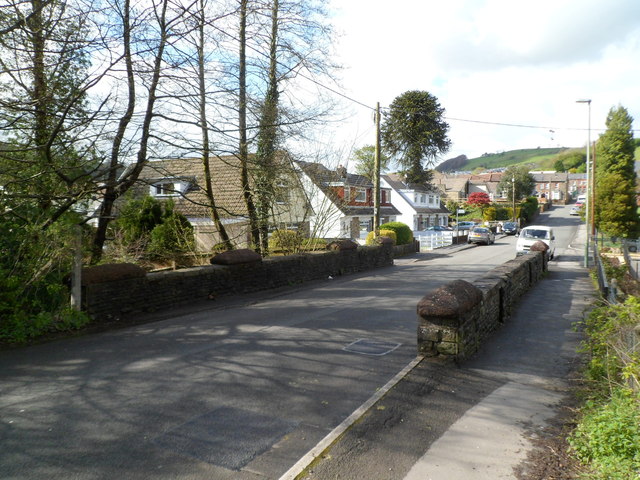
point(43, 113)
point(414, 133)
point(615, 195)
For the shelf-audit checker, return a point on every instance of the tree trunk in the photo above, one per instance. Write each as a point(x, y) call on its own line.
point(267, 136)
point(117, 187)
point(206, 148)
point(243, 147)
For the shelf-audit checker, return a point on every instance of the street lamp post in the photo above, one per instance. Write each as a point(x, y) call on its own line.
point(513, 196)
point(587, 202)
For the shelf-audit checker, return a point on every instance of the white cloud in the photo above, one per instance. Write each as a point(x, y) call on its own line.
point(501, 61)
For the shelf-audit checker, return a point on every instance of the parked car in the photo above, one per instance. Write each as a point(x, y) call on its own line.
point(481, 235)
point(465, 225)
point(575, 210)
point(533, 233)
point(510, 228)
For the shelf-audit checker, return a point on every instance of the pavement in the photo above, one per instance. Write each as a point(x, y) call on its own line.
point(476, 420)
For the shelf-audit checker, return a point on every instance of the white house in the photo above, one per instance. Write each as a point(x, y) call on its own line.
point(342, 202)
point(419, 205)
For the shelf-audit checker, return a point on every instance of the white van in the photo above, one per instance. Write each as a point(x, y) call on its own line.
point(533, 233)
point(581, 199)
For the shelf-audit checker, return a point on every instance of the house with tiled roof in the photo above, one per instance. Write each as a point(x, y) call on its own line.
point(552, 186)
point(576, 184)
point(182, 180)
point(420, 206)
point(452, 187)
point(487, 183)
point(342, 203)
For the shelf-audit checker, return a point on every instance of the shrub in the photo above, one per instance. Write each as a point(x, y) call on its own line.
point(503, 213)
point(529, 208)
point(613, 268)
point(404, 235)
point(33, 263)
point(490, 214)
point(608, 437)
point(138, 218)
point(174, 236)
point(285, 240)
point(314, 244)
point(383, 233)
point(605, 327)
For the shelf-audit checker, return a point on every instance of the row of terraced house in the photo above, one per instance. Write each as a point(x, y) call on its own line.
point(324, 202)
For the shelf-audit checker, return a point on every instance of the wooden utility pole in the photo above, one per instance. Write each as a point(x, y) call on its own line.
point(376, 176)
point(592, 200)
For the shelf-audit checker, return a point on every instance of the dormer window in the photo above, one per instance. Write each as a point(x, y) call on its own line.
point(168, 188)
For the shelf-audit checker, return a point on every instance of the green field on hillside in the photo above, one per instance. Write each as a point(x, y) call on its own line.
point(539, 158)
point(536, 158)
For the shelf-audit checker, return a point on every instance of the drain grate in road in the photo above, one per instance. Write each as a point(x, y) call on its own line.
point(228, 437)
point(367, 346)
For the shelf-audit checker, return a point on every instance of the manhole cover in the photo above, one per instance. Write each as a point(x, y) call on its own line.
point(228, 437)
point(365, 346)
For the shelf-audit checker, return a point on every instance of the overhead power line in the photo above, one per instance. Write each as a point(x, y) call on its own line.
point(373, 109)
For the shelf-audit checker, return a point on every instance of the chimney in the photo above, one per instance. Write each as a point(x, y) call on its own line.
point(341, 171)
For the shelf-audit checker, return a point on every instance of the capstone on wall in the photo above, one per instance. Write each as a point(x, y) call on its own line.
point(456, 318)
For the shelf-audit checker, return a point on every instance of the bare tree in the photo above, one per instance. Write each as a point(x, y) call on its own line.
point(149, 74)
point(243, 150)
point(206, 147)
point(268, 138)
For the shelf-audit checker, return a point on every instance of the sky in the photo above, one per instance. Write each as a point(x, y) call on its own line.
point(491, 62)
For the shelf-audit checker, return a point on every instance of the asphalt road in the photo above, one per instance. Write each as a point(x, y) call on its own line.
point(239, 389)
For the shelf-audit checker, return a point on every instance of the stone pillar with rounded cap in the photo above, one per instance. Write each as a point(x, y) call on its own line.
point(448, 318)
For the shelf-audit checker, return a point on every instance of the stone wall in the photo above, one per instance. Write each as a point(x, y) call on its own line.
point(162, 290)
point(456, 318)
point(402, 250)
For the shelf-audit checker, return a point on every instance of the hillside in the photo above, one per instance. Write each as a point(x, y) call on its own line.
point(539, 158)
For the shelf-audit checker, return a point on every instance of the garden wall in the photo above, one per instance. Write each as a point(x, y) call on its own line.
point(456, 318)
point(162, 290)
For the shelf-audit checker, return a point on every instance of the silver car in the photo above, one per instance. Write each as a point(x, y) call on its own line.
point(481, 235)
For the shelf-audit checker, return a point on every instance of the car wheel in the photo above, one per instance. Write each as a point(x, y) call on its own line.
point(633, 249)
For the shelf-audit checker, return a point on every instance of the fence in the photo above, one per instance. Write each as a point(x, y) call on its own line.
point(607, 288)
point(439, 239)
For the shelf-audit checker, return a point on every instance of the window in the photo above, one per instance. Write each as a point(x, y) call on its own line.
point(282, 194)
point(165, 189)
point(361, 195)
point(423, 199)
point(170, 188)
